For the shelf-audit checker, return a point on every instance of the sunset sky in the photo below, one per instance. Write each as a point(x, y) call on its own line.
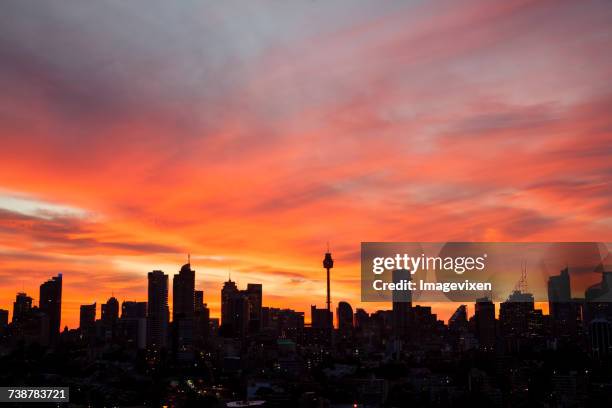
point(250, 134)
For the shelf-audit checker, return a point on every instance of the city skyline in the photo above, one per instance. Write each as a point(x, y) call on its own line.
point(251, 135)
point(166, 301)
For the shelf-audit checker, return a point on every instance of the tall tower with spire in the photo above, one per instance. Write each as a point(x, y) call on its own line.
point(328, 263)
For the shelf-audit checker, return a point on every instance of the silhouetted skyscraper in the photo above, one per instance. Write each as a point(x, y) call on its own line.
point(559, 290)
point(254, 294)
point(157, 310)
point(21, 307)
point(133, 323)
point(458, 321)
point(321, 318)
point(402, 305)
point(3, 320)
point(228, 293)
point(133, 310)
point(199, 300)
point(484, 317)
point(344, 314)
point(87, 317)
point(110, 311)
point(183, 286)
point(514, 314)
point(51, 304)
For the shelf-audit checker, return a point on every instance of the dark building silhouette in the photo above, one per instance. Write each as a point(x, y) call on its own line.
point(3, 320)
point(559, 289)
point(183, 293)
point(157, 310)
point(21, 307)
point(459, 321)
point(254, 292)
point(600, 338)
point(284, 322)
point(598, 300)
point(201, 317)
point(484, 319)
point(183, 309)
point(133, 310)
point(514, 314)
point(51, 304)
point(133, 323)
point(362, 319)
point(199, 300)
point(565, 313)
point(87, 317)
point(228, 293)
point(110, 311)
point(320, 318)
point(241, 310)
point(344, 314)
point(401, 306)
point(328, 264)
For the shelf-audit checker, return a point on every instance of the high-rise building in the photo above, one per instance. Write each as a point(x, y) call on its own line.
point(458, 321)
point(255, 295)
point(133, 323)
point(344, 315)
point(87, 317)
point(362, 319)
point(402, 305)
point(514, 314)
point(600, 336)
point(199, 300)
point(157, 310)
point(51, 304)
point(21, 307)
point(3, 320)
point(110, 311)
point(484, 317)
point(133, 310)
point(229, 291)
point(565, 314)
point(320, 318)
point(183, 293)
point(559, 290)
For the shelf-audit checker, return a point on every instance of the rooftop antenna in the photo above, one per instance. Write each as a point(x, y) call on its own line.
point(189, 258)
point(521, 285)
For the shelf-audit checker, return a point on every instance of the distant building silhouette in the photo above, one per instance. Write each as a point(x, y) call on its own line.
point(3, 320)
point(133, 323)
point(600, 336)
point(320, 318)
point(458, 321)
point(344, 314)
point(484, 318)
point(183, 293)
point(183, 309)
point(157, 310)
point(241, 310)
point(228, 293)
point(254, 292)
point(133, 310)
point(110, 311)
point(51, 304)
point(199, 300)
point(87, 318)
point(565, 313)
point(21, 307)
point(401, 306)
